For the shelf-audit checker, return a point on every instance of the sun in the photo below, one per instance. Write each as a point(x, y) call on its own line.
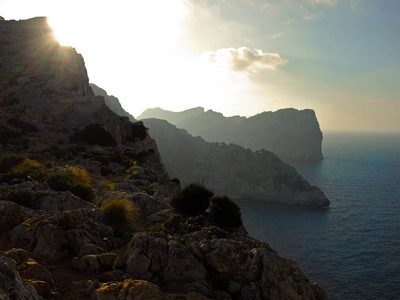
point(133, 49)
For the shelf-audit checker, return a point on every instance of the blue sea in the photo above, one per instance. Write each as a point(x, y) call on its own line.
point(352, 248)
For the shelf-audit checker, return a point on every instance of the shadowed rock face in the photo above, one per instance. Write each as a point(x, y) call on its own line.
point(289, 133)
point(56, 245)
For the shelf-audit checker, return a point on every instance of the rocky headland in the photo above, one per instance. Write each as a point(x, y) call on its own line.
point(293, 135)
point(64, 155)
point(231, 169)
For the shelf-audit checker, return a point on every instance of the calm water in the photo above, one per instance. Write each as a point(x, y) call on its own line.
point(351, 249)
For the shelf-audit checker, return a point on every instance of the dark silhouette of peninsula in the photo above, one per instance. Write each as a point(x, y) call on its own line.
point(289, 133)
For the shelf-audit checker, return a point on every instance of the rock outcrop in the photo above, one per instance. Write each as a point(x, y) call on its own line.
point(289, 133)
point(231, 169)
point(64, 154)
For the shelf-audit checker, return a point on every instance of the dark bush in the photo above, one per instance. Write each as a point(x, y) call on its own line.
point(175, 180)
point(194, 199)
point(226, 213)
point(21, 197)
point(8, 136)
point(8, 162)
point(94, 134)
point(106, 170)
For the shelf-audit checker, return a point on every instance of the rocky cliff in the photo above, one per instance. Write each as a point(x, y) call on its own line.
point(231, 169)
point(64, 157)
point(289, 133)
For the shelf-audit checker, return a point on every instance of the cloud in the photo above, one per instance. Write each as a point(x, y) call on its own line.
point(328, 2)
point(244, 59)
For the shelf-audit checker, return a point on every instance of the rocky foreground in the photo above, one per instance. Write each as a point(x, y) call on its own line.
point(63, 155)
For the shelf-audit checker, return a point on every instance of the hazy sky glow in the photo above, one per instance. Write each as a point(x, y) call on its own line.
point(338, 57)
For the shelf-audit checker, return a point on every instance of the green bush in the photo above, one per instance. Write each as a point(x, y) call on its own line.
point(194, 199)
point(119, 213)
point(226, 213)
point(74, 179)
point(28, 169)
point(16, 166)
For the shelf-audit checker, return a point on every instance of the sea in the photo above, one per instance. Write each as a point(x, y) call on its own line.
point(352, 248)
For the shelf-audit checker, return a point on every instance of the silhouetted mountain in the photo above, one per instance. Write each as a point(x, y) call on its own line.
point(289, 133)
point(112, 102)
point(231, 169)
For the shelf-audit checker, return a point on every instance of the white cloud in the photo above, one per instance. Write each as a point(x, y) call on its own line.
point(328, 2)
point(244, 59)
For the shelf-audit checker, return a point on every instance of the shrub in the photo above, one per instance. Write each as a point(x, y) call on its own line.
point(178, 224)
point(94, 134)
point(214, 230)
point(28, 169)
point(119, 213)
point(74, 179)
point(106, 170)
point(226, 213)
point(109, 185)
point(8, 162)
point(194, 199)
point(16, 166)
point(21, 197)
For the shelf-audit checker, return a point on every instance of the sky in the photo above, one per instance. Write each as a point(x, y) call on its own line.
point(238, 57)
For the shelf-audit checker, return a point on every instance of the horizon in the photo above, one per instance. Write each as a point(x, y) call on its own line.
point(336, 57)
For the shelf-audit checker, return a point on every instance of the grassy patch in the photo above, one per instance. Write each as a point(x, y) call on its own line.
point(119, 213)
point(74, 179)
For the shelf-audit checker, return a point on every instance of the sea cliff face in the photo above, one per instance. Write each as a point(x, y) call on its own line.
point(289, 133)
point(64, 154)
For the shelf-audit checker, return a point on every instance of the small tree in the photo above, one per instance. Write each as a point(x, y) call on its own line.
point(194, 199)
point(226, 213)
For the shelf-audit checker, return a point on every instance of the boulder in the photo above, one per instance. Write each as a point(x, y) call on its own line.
point(13, 214)
point(55, 235)
point(12, 286)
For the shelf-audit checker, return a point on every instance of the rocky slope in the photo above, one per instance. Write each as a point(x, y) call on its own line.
point(63, 155)
point(231, 169)
point(289, 133)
